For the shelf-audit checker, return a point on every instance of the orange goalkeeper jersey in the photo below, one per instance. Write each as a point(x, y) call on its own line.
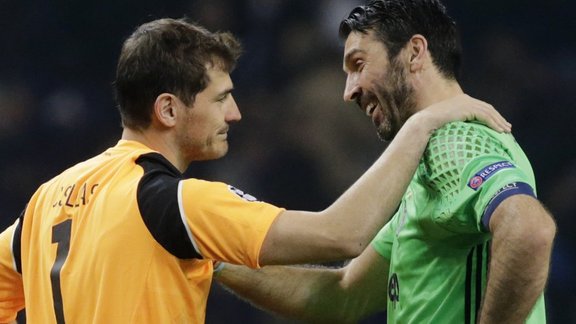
point(124, 238)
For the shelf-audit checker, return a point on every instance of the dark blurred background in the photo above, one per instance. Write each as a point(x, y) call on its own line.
point(299, 145)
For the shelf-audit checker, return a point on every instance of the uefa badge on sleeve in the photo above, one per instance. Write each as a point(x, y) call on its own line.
point(242, 194)
point(487, 172)
point(475, 182)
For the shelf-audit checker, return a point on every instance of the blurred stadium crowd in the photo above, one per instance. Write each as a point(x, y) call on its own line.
point(298, 144)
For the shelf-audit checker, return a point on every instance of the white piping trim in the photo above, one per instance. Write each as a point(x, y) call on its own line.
point(12, 245)
point(183, 217)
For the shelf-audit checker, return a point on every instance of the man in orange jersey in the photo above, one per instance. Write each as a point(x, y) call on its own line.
point(124, 238)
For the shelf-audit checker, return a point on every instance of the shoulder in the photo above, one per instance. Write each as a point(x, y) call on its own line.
point(461, 141)
point(452, 147)
point(455, 144)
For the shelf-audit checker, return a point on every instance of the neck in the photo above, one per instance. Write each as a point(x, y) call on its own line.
point(432, 88)
point(157, 141)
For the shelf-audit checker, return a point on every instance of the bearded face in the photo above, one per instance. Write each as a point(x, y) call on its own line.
point(379, 85)
point(396, 101)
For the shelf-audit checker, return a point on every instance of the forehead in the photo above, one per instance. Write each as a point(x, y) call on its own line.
point(218, 78)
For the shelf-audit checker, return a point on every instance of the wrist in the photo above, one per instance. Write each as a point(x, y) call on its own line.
point(422, 122)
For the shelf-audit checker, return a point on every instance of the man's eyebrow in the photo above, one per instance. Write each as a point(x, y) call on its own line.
point(349, 54)
point(225, 92)
point(352, 52)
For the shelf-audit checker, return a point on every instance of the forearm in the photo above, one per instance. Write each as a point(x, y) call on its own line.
point(521, 251)
point(344, 229)
point(311, 294)
point(376, 195)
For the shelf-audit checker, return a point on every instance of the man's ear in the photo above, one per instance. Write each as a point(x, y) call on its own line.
point(418, 52)
point(165, 109)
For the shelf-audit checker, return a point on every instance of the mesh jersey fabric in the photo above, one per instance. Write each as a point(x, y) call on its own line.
point(123, 238)
point(437, 243)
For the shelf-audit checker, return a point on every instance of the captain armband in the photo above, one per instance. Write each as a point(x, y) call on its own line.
point(511, 189)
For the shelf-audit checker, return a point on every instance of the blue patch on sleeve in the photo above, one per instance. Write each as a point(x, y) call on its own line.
point(514, 188)
point(479, 178)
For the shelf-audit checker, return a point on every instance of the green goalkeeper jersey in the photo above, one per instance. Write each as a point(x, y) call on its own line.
point(437, 243)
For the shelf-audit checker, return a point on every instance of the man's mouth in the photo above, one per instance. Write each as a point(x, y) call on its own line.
point(370, 108)
point(373, 111)
point(224, 131)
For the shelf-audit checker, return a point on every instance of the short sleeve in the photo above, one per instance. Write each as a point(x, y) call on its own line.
point(224, 222)
point(11, 290)
point(470, 171)
point(382, 242)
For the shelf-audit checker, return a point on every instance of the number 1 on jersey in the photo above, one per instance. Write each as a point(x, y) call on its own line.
point(61, 235)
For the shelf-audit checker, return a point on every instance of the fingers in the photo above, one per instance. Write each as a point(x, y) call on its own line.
point(492, 118)
point(465, 108)
point(485, 113)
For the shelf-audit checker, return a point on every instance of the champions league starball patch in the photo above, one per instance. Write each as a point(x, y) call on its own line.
point(479, 178)
point(475, 182)
point(242, 194)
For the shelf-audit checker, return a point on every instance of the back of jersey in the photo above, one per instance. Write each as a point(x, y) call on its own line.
point(86, 255)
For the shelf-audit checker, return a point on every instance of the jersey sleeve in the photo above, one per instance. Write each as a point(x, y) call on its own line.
point(11, 289)
point(472, 170)
point(225, 223)
point(382, 242)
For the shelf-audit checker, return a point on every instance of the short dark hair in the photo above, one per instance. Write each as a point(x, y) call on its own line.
point(396, 21)
point(168, 55)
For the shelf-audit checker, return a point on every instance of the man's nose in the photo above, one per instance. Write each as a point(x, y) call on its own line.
point(233, 114)
point(352, 89)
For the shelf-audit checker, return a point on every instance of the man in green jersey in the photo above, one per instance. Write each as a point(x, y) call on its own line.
point(470, 242)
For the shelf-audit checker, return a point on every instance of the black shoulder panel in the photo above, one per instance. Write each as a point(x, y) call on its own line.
point(158, 202)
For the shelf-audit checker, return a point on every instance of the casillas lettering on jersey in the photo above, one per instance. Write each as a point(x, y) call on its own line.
point(158, 203)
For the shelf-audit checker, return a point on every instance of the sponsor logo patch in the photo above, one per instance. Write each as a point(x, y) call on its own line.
point(242, 194)
point(479, 178)
point(393, 290)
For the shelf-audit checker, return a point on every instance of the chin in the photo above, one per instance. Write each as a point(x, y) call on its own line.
point(221, 152)
point(213, 154)
point(386, 134)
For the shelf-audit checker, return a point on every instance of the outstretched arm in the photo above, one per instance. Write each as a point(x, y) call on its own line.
point(343, 230)
point(318, 295)
point(523, 233)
